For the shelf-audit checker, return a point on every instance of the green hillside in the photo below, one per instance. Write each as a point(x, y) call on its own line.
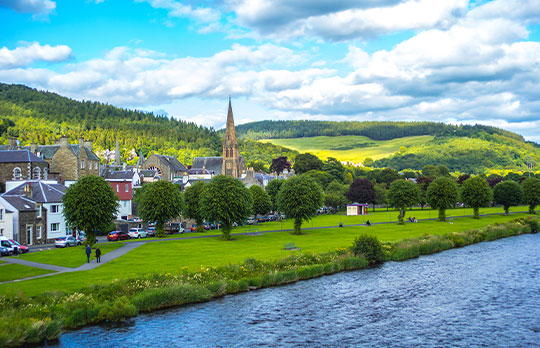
point(353, 148)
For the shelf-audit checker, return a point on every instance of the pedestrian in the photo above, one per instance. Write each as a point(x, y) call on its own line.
point(368, 223)
point(98, 255)
point(88, 253)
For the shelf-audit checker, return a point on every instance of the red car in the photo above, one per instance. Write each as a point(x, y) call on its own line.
point(22, 248)
point(117, 235)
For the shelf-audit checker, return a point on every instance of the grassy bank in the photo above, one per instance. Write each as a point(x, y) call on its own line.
point(32, 319)
point(14, 271)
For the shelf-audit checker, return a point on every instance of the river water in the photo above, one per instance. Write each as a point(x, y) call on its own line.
point(484, 295)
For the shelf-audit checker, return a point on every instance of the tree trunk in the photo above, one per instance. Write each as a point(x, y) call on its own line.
point(476, 212)
point(401, 215)
point(226, 231)
point(442, 214)
point(297, 226)
point(506, 210)
point(531, 209)
point(200, 227)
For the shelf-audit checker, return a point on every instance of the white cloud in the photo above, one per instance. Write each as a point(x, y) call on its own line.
point(25, 55)
point(179, 10)
point(36, 7)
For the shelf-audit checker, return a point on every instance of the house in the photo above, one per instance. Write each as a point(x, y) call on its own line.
point(122, 182)
point(166, 167)
point(357, 209)
point(32, 211)
point(21, 165)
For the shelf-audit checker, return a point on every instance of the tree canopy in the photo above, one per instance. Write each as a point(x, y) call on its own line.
point(402, 194)
point(90, 205)
point(306, 162)
point(531, 193)
point(192, 198)
point(279, 164)
point(476, 193)
point(508, 193)
point(299, 198)
point(361, 191)
point(442, 194)
point(262, 203)
point(272, 189)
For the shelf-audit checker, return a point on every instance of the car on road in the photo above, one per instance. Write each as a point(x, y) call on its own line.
point(22, 248)
point(117, 235)
point(151, 231)
point(136, 233)
point(193, 228)
point(67, 241)
point(5, 251)
point(5, 242)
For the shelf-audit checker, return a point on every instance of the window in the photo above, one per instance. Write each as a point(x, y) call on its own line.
point(117, 188)
point(1, 214)
point(37, 173)
point(1, 231)
point(96, 164)
point(54, 209)
point(82, 164)
point(125, 203)
point(17, 173)
point(55, 227)
point(127, 188)
point(38, 231)
point(39, 210)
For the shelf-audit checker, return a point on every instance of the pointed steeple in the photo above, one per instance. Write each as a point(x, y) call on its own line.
point(230, 132)
point(231, 162)
point(117, 159)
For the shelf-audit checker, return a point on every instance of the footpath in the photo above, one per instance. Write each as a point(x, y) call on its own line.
point(132, 245)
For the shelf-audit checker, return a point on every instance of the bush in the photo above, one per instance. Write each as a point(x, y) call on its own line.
point(155, 298)
point(368, 247)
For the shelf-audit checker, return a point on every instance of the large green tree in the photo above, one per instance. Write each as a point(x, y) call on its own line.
point(322, 177)
point(334, 167)
point(334, 195)
point(380, 195)
point(299, 198)
point(273, 189)
point(160, 201)
point(262, 203)
point(531, 193)
point(402, 194)
point(442, 194)
point(476, 193)
point(192, 197)
point(227, 201)
point(90, 205)
point(306, 162)
point(508, 193)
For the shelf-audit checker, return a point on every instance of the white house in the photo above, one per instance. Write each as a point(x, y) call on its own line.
point(122, 182)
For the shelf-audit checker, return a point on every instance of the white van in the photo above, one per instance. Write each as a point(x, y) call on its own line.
point(5, 242)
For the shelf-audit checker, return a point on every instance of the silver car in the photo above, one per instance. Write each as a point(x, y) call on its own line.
point(67, 241)
point(137, 233)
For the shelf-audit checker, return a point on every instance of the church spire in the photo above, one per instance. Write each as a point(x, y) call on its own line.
point(231, 161)
point(117, 159)
point(230, 132)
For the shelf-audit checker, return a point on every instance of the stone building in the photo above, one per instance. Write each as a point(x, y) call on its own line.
point(21, 165)
point(166, 167)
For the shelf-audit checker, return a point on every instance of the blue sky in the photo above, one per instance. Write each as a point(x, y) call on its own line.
point(454, 61)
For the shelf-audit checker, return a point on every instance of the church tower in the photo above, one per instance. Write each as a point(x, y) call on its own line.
point(231, 162)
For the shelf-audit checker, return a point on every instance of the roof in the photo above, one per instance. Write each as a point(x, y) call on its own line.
point(172, 162)
point(213, 164)
point(147, 173)
point(48, 151)
point(118, 175)
point(20, 203)
point(19, 156)
point(41, 192)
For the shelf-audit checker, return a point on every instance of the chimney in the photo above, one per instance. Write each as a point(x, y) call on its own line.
point(81, 143)
point(64, 141)
point(88, 144)
point(12, 143)
point(33, 148)
point(27, 191)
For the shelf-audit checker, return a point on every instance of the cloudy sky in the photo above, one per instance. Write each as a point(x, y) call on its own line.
point(454, 61)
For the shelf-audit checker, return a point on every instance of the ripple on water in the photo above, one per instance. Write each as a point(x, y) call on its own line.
point(484, 295)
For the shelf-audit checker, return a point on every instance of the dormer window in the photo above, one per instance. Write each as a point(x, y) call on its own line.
point(17, 173)
point(82, 164)
point(37, 173)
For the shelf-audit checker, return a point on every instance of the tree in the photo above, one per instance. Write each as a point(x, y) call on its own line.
point(402, 194)
point(461, 179)
point(476, 193)
point(380, 195)
point(430, 170)
point(508, 193)
point(299, 198)
point(273, 189)
point(192, 197)
point(442, 194)
point(334, 167)
point(361, 191)
point(160, 201)
point(322, 178)
point(494, 179)
point(423, 183)
point(306, 162)
point(261, 200)
point(258, 166)
point(227, 201)
point(280, 164)
point(334, 195)
point(90, 205)
point(531, 193)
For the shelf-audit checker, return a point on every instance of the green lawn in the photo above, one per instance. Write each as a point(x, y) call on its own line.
point(13, 271)
point(353, 148)
point(2, 261)
point(172, 256)
point(67, 257)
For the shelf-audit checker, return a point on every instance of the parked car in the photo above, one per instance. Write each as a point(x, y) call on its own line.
point(22, 248)
point(117, 235)
point(5, 242)
point(4, 251)
point(151, 231)
point(251, 220)
point(67, 241)
point(193, 228)
point(137, 233)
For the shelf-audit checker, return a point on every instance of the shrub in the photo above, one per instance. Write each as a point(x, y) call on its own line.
point(118, 310)
point(368, 247)
point(155, 298)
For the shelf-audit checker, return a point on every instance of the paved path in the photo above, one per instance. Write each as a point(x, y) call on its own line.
point(132, 245)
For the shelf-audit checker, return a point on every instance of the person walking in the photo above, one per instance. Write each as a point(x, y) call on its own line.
point(98, 255)
point(88, 253)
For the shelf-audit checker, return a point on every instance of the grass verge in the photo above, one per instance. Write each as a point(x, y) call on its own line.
point(14, 271)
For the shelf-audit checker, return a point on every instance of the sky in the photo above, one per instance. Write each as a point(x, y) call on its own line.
point(453, 61)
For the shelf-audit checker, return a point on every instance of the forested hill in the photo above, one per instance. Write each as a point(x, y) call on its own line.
point(373, 130)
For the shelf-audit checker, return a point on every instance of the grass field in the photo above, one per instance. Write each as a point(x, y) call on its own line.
point(172, 256)
point(352, 148)
point(67, 257)
point(13, 271)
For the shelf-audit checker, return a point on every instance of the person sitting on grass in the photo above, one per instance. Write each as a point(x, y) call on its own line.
point(368, 223)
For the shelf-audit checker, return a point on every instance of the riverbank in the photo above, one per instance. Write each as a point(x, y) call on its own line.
point(32, 319)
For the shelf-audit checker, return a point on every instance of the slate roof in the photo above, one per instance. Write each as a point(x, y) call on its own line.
point(213, 164)
point(20, 203)
point(118, 175)
point(41, 192)
point(48, 151)
point(147, 173)
point(19, 156)
point(173, 163)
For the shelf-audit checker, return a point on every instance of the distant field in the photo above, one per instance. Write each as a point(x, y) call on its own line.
point(352, 148)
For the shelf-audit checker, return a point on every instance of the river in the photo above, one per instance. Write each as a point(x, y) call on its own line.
point(484, 295)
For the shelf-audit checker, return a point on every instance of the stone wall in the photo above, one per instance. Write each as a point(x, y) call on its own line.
point(6, 171)
point(153, 161)
point(28, 218)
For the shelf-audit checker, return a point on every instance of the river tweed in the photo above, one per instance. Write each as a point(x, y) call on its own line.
point(484, 295)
